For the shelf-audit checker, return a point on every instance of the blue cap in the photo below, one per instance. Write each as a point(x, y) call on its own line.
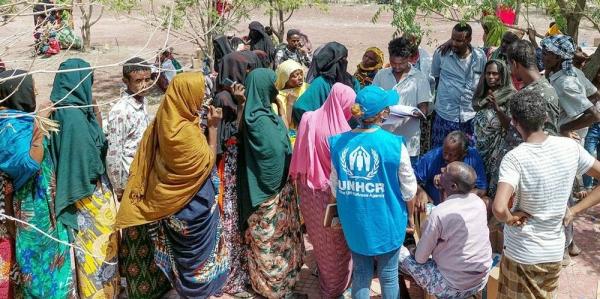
point(373, 99)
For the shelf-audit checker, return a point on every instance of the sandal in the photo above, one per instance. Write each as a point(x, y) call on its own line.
point(242, 294)
point(298, 296)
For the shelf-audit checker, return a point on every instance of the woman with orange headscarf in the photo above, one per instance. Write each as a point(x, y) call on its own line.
point(170, 187)
point(372, 62)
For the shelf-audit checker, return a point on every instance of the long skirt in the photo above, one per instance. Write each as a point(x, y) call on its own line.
point(190, 248)
point(97, 273)
point(441, 128)
point(45, 265)
point(136, 259)
point(275, 245)
point(329, 245)
point(237, 275)
point(528, 281)
point(7, 243)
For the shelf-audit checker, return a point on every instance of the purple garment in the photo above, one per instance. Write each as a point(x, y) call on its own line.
point(457, 237)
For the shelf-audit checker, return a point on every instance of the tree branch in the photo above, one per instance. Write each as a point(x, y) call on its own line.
point(99, 16)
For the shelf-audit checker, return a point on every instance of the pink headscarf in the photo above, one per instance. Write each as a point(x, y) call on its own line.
point(311, 161)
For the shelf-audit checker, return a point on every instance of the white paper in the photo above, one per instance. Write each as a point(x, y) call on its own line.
point(403, 111)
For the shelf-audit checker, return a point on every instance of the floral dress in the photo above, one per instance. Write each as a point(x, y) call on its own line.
point(7, 250)
point(45, 265)
point(276, 246)
point(97, 271)
point(489, 136)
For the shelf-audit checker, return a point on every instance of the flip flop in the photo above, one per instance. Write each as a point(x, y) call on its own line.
point(242, 294)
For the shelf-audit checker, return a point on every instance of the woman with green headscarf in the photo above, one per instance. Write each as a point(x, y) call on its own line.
point(493, 30)
point(491, 122)
point(84, 198)
point(268, 211)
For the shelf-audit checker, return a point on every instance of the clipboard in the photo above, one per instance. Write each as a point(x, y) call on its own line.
point(332, 218)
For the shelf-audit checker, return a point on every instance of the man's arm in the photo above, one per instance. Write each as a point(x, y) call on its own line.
point(428, 240)
point(593, 198)
point(500, 206)
point(589, 117)
point(436, 67)
point(479, 192)
point(117, 133)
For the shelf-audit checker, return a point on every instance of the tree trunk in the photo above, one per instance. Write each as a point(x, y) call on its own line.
point(592, 65)
point(281, 25)
point(87, 39)
point(573, 17)
point(85, 22)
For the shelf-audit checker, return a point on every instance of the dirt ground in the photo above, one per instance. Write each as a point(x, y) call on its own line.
point(116, 39)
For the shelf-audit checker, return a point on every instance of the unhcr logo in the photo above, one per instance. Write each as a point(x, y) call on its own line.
point(360, 164)
point(363, 165)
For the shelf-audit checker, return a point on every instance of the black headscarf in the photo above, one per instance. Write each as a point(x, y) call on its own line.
point(330, 62)
point(221, 48)
point(260, 40)
point(22, 98)
point(235, 66)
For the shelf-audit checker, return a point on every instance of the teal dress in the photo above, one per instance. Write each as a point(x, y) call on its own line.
point(44, 263)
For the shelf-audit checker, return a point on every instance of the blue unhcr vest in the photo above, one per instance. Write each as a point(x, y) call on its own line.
point(370, 206)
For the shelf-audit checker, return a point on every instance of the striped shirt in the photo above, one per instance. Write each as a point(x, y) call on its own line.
point(542, 175)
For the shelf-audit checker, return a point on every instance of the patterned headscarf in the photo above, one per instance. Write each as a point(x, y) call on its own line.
point(563, 46)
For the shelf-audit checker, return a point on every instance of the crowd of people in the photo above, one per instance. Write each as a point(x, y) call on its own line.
point(212, 194)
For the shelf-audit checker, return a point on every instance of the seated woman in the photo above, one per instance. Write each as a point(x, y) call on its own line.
point(291, 85)
point(490, 101)
point(372, 62)
point(170, 187)
point(27, 187)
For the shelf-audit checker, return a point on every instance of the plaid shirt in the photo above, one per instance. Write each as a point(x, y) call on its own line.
point(285, 54)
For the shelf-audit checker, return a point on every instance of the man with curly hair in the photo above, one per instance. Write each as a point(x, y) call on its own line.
point(539, 175)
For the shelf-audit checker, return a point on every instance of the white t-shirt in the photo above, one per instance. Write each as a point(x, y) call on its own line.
point(542, 175)
point(413, 89)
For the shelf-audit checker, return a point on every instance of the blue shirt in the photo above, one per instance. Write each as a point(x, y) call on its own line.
point(457, 84)
point(370, 205)
point(431, 165)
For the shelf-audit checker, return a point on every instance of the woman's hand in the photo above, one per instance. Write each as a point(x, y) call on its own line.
point(492, 102)
point(291, 98)
point(214, 116)
point(45, 109)
point(239, 92)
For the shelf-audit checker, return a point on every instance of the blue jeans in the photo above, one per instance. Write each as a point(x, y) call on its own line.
point(591, 144)
point(387, 271)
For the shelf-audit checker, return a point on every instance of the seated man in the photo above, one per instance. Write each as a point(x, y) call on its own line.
point(430, 166)
point(457, 238)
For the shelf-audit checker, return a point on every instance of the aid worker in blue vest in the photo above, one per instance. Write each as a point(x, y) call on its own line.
point(373, 183)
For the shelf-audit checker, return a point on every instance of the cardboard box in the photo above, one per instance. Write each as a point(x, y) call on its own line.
point(497, 242)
